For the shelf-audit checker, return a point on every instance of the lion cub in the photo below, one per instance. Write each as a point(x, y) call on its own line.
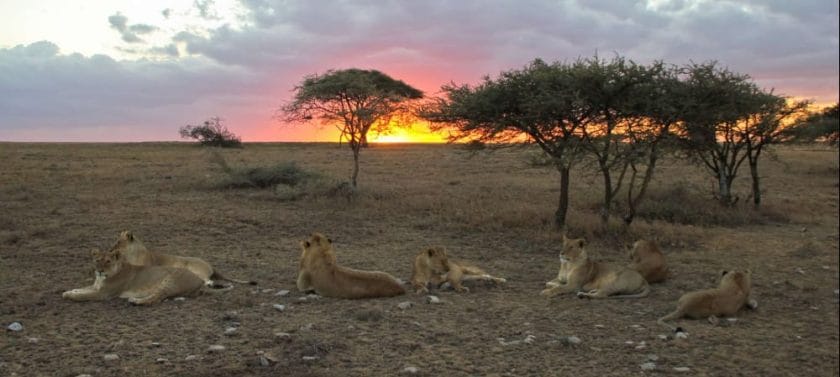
point(141, 285)
point(434, 266)
point(732, 294)
point(136, 253)
point(319, 271)
point(648, 260)
point(591, 279)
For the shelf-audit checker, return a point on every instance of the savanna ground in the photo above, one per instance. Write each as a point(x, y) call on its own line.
point(57, 201)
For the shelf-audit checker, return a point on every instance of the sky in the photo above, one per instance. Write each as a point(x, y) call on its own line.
point(119, 70)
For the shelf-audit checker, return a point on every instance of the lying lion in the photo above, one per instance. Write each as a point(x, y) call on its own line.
point(141, 285)
point(648, 260)
point(136, 253)
point(432, 266)
point(591, 279)
point(320, 272)
point(732, 294)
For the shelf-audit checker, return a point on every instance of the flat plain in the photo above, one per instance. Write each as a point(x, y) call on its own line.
point(57, 201)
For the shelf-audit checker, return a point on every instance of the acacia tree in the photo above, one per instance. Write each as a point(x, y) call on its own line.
point(354, 101)
point(211, 133)
point(819, 126)
point(534, 102)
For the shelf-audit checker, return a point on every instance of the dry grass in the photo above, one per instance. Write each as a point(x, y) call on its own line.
point(494, 208)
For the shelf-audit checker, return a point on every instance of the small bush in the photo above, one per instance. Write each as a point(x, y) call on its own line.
point(287, 173)
point(212, 133)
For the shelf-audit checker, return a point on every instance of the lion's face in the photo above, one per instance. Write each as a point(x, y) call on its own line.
point(633, 250)
point(573, 249)
point(106, 263)
point(740, 279)
point(438, 261)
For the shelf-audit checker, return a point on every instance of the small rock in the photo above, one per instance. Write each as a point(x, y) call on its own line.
point(231, 315)
point(310, 358)
point(681, 335)
point(681, 369)
point(630, 342)
point(837, 292)
point(282, 292)
point(230, 331)
point(800, 271)
point(15, 326)
point(279, 307)
point(599, 326)
point(648, 366)
point(306, 327)
point(529, 339)
point(191, 358)
point(154, 344)
point(33, 340)
point(111, 357)
point(652, 357)
point(263, 361)
point(161, 360)
point(433, 299)
point(571, 340)
point(179, 298)
point(267, 290)
point(732, 320)
point(662, 337)
point(411, 370)
point(215, 348)
point(405, 305)
point(313, 296)
point(283, 335)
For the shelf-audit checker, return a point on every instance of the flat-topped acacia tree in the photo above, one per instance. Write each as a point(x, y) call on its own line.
point(354, 101)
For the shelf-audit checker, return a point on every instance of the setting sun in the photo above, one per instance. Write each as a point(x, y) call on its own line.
point(416, 133)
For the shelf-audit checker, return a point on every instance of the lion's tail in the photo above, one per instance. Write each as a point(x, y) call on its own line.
point(219, 276)
point(673, 315)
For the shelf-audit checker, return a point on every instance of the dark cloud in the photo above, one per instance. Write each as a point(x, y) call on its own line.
point(243, 72)
point(166, 13)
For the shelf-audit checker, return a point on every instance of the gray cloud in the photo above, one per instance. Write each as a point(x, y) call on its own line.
point(243, 72)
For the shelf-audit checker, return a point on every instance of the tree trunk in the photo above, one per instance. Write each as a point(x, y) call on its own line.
point(355, 166)
point(364, 141)
point(563, 206)
point(724, 189)
point(608, 193)
point(756, 187)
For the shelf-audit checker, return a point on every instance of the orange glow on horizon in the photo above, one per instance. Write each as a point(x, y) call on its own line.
point(416, 133)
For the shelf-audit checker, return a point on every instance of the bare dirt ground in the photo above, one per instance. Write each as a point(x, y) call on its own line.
point(57, 201)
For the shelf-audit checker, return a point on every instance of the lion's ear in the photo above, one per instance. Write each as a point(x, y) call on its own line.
point(306, 244)
point(723, 273)
point(430, 251)
point(127, 235)
point(329, 240)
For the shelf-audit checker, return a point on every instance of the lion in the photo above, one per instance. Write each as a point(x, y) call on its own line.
point(563, 273)
point(648, 260)
point(732, 294)
point(591, 279)
point(141, 285)
point(433, 266)
point(136, 253)
point(320, 272)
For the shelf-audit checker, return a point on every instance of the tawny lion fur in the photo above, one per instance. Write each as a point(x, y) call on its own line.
point(591, 279)
point(433, 266)
point(136, 253)
point(732, 294)
point(141, 285)
point(648, 260)
point(320, 272)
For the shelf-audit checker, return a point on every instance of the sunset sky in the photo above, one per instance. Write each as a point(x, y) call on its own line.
point(117, 70)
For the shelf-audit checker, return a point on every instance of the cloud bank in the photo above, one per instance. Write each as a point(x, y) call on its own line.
point(244, 70)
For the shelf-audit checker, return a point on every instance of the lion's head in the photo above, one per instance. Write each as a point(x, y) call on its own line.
point(438, 260)
point(317, 246)
point(106, 263)
point(739, 279)
point(127, 242)
point(573, 249)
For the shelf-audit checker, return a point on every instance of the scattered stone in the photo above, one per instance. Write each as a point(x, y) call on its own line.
point(267, 290)
point(529, 339)
point(681, 335)
point(800, 270)
point(411, 370)
point(433, 299)
point(642, 345)
point(279, 307)
point(282, 335)
point(111, 357)
point(230, 331)
point(636, 326)
point(599, 326)
point(310, 358)
point(824, 267)
point(652, 357)
point(630, 342)
point(570, 340)
point(306, 327)
point(15, 326)
point(662, 336)
point(179, 298)
point(837, 292)
point(263, 361)
point(681, 369)
point(33, 340)
point(231, 315)
point(815, 308)
point(191, 358)
point(282, 292)
point(405, 305)
point(216, 348)
point(155, 344)
point(648, 366)
point(732, 320)
point(161, 360)
point(313, 296)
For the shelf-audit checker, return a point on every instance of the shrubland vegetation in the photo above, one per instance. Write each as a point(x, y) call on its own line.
point(211, 133)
